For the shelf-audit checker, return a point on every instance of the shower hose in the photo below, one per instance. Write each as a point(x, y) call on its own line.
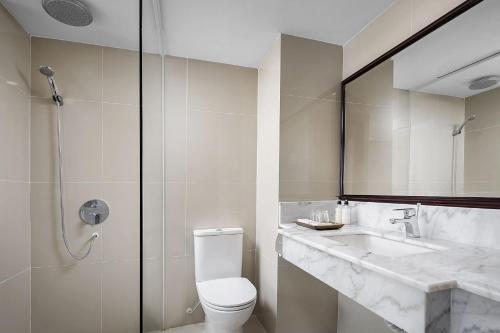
point(61, 195)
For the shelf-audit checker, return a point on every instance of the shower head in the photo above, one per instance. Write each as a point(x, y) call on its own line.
point(70, 12)
point(458, 130)
point(49, 73)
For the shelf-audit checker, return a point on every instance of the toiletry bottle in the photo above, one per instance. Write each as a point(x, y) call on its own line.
point(338, 212)
point(346, 213)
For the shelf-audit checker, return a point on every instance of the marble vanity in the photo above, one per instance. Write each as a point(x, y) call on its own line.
point(423, 285)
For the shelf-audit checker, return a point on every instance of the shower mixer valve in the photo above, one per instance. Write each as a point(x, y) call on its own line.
point(94, 212)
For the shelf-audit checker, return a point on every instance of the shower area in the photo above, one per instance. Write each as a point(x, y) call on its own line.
point(104, 173)
point(70, 167)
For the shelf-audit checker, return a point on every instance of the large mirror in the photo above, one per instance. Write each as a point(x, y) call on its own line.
point(426, 120)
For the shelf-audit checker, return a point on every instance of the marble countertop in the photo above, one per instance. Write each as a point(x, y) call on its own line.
point(453, 265)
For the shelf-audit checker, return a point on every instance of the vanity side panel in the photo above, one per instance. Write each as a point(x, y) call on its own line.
point(365, 287)
point(472, 313)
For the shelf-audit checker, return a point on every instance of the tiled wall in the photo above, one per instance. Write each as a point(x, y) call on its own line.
point(14, 176)
point(311, 72)
point(482, 136)
point(401, 20)
point(100, 125)
point(210, 168)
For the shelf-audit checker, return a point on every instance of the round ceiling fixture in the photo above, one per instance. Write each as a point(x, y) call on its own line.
point(70, 12)
point(484, 82)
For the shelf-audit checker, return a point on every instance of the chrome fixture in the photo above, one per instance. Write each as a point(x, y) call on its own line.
point(94, 212)
point(58, 100)
point(484, 82)
point(70, 12)
point(49, 73)
point(458, 130)
point(410, 221)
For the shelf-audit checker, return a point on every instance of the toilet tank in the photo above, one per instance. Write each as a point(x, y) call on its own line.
point(217, 253)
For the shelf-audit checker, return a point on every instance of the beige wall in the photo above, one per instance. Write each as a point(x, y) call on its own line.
point(401, 20)
point(210, 168)
point(101, 160)
point(268, 124)
point(482, 136)
point(14, 176)
point(311, 72)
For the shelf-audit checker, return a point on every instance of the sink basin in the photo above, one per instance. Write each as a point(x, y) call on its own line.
point(379, 245)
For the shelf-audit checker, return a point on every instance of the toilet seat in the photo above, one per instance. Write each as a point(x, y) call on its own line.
point(228, 294)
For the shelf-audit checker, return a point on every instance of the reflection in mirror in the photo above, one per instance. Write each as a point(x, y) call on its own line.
point(427, 121)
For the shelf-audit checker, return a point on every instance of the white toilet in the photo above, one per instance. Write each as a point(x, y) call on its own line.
point(227, 298)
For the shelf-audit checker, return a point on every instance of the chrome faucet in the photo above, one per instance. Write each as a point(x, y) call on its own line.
point(410, 221)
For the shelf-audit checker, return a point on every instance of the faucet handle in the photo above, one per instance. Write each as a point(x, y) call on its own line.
point(408, 212)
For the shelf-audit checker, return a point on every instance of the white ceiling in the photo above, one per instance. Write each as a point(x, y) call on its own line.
point(236, 32)
point(468, 38)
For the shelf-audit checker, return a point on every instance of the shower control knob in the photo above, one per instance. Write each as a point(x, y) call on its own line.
point(94, 212)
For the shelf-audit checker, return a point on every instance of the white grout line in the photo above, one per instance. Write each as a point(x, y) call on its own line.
point(15, 275)
point(163, 185)
point(79, 100)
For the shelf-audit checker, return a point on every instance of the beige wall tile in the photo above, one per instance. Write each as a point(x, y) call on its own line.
point(81, 140)
point(221, 147)
point(14, 129)
point(427, 11)
point(176, 291)
point(309, 139)
point(482, 160)
point(175, 118)
point(120, 142)
point(15, 51)
point(356, 318)
point(152, 117)
point(15, 304)
point(120, 297)
point(373, 88)
point(175, 219)
point(485, 107)
point(120, 78)
point(298, 293)
point(221, 88)
point(248, 269)
point(77, 66)
point(221, 205)
point(153, 220)
point(310, 68)
point(388, 30)
point(14, 230)
point(66, 299)
point(153, 295)
point(47, 247)
point(120, 232)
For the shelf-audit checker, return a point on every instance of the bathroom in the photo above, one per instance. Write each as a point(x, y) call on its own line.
point(159, 160)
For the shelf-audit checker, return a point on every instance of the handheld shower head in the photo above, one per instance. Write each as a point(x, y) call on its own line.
point(49, 73)
point(458, 130)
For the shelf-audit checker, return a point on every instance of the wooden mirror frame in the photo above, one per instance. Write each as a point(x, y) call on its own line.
point(471, 202)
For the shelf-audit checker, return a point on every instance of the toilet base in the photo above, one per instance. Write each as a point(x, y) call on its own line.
point(217, 329)
point(226, 321)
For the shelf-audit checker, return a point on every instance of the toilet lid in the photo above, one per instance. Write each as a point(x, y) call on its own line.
point(228, 293)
